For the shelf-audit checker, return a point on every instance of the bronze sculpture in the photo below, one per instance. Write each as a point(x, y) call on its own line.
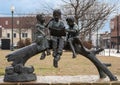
point(18, 72)
point(19, 61)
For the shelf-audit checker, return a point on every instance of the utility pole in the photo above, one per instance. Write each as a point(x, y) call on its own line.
point(117, 33)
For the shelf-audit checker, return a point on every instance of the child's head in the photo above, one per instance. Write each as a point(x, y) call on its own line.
point(40, 18)
point(57, 14)
point(70, 21)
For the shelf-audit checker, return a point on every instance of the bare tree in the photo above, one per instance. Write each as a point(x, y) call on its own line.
point(90, 15)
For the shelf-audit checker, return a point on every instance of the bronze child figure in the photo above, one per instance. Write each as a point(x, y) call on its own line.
point(40, 31)
point(72, 32)
point(57, 32)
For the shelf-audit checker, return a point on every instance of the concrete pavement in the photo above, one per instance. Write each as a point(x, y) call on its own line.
point(65, 80)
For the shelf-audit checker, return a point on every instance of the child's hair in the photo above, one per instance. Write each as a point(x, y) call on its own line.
point(40, 17)
point(57, 11)
point(70, 19)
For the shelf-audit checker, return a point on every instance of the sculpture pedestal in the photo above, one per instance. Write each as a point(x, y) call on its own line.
point(20, 77)
point(19, 73)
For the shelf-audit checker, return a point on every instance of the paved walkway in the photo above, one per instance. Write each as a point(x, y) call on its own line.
point(71, 79)
point(68, 79)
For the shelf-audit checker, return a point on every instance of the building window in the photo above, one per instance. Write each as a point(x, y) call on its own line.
point(18, 22)
point(24, 35)
point(6, 22)
point(14, 35)
point(8, 35)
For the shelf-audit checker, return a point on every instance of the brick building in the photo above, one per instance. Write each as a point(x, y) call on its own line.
point(23, 27)
point(115, 31)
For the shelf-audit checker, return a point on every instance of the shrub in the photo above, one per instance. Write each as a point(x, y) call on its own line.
point(27, 41)
point(20, 43)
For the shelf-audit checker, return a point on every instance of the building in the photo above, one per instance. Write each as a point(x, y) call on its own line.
point(115, 31)
point(104, 40)
point(101, 40)
point(23, 27)
point(112, 39)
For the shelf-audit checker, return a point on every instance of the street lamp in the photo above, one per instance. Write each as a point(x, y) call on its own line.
point(0, 31)
point(12, 11)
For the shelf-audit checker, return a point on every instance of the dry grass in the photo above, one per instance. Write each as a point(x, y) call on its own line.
point(67, 65)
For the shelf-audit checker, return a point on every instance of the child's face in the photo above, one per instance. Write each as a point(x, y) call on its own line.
point(70, 23)
point(56, 16)
point(42, 19)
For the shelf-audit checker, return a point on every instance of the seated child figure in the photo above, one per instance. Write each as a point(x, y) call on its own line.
point(57, 32)
point(41, 36)
point(72, 31)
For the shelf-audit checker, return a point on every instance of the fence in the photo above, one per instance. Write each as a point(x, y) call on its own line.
point(110, 52)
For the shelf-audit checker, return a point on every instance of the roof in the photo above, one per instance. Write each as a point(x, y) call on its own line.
point(19, 22)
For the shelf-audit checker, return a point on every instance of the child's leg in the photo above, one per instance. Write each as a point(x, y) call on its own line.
point(60, 46)
point(72, 47)
point(54, 46)
point(43, 55)
point(48, 51)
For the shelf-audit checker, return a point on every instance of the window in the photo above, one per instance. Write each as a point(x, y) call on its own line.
point(14, 35)
point(24, 35)
point(8, 35)
point(6, 22)
point(18, 22)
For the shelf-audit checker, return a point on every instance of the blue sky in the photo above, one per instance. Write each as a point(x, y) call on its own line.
point(33, 6)
point(26, 6)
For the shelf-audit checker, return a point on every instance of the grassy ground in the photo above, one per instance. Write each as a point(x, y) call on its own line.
point(67, 65)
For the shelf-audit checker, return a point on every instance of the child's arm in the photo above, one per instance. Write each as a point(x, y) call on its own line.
point(38, 27)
